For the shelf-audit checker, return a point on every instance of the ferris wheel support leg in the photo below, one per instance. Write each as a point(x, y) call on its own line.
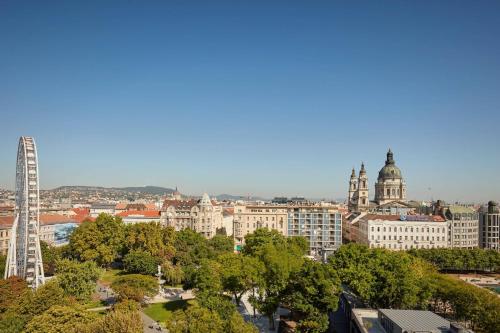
point(11, 262)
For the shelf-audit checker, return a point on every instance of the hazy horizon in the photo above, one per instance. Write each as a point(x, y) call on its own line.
point(262, 99)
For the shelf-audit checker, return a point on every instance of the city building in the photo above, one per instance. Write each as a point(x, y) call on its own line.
point(140, 216)
point(463, 224)
point(248, 218)
point(390, 191)
point(137, 206)
point(5, 231)
point(228, 220)
point(400, 232)
point(400, 321)
point(489, 227)
point(203, 216)
point(320, 224)
point(206, 217)
point(99, 208)
point(55, 229)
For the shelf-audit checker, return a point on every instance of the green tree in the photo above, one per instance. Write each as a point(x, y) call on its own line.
point(239, 274)
point(195, 319)
point(135, 287)
point(236, 324)
point(152, 238)
point(3, 261)
point(50, 254)
point(100, 241)
point(190, 248)
point(382, 278)
point(261, 237)
point(141, 262)
point(173, 274)
point(77, 279)
point(32, 303)
point(221, 244)
point(40, 300)
point(60, 319)
point(280, 264)
point(124, 317)
point(311, 293)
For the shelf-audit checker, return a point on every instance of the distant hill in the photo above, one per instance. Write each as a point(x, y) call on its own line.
point(147, 189)
point(141, 189)
point(221, 197)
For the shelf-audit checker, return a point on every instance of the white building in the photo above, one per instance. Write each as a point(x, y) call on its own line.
point(98, 208)
point(140, 216)
point(397, 232)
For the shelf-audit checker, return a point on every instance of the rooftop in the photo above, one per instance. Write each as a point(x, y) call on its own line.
point(417, 320)
point(413, 218)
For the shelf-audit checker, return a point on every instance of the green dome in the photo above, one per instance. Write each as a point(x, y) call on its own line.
point(390, 170)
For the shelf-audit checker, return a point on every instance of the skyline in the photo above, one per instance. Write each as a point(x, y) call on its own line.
point(265, 100)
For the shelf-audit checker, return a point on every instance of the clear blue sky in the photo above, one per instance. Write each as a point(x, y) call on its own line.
point(259, 97)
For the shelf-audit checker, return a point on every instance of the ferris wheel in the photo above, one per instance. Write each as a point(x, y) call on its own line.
point(24, 256)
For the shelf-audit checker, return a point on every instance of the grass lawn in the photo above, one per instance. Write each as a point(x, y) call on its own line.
point(161, 312)
point(110, 275)
point(94, 304)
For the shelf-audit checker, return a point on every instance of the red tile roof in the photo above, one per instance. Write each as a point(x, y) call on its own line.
point(143, 213)
point(82, 214)
point(45, 219)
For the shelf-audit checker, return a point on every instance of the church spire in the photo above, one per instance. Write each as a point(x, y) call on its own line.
point(353, 173)
point(362, 171)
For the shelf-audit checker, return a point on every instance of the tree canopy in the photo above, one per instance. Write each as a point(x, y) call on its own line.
point(135, 287)
point(101, 240)
point(141, 262)
point(77, 279)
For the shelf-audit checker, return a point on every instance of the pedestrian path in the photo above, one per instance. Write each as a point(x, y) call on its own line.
point(260, 321)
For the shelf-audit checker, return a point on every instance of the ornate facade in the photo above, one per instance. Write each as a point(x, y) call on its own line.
point(203, 216)
point(390, 190)
point(390, 184)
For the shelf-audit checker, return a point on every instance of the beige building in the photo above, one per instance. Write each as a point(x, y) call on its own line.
point(5, 230)
point(397, 232)
point(248, 218)
point(203, 216)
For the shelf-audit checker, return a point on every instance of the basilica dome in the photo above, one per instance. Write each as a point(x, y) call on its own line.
point(390, 170)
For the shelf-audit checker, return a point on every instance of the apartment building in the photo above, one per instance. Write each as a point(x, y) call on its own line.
point(489, 227)
point(320, 224)
point(203, 216)
point(400, 232)
point(248, 218)
point(463, 226)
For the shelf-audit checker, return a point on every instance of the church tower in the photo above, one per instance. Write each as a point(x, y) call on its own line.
point(353, 187)
point(363, 201)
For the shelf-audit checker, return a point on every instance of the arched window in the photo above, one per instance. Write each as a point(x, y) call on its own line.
point(388, 192)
